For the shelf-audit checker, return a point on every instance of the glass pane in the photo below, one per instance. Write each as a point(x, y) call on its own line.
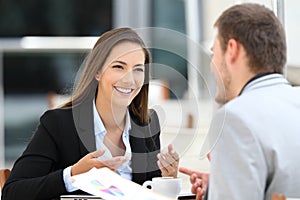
point(169, 14)
point(29, 81)
point(292, 16)
point(54, 17)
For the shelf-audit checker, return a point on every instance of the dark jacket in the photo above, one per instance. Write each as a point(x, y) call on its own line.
point(62, 138)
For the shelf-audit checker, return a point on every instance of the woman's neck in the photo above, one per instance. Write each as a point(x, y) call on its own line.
point(112, 117)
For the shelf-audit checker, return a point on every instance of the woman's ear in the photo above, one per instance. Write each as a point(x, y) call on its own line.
point(97, 76)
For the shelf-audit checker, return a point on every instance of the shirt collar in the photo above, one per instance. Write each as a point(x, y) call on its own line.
point(99, 127)
point(127, 127)
point(254, 78)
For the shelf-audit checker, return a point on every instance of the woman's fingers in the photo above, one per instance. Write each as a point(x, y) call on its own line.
point(166, 159)
point(97, 154)
point(163, 170)
point(115, 162)
point(169, 158)
point(168, 162)
point(172, 152)
point(94, 159)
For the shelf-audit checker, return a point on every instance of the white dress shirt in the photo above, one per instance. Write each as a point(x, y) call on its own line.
point(125, 170)
point(100, 132)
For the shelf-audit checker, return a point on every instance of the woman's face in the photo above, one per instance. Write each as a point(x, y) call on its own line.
point(122, 76)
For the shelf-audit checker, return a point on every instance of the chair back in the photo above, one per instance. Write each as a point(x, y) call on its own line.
point(282, 197)
point(4, 173)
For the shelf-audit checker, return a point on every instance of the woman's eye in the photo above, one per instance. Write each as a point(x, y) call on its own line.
point(117, 67)
point(139, 69)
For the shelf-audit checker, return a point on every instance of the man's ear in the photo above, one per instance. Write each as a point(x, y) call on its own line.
point(233, 50)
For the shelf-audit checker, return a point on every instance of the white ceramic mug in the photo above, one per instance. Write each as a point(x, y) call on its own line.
point(167, 186)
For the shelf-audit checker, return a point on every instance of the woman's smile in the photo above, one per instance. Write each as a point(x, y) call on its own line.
point(123, 90)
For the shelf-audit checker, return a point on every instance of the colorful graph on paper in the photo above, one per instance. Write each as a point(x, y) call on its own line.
point(112, 190)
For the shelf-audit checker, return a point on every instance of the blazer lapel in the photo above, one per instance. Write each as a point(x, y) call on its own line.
point(144, 142)
point(84, 123)
point(139, 153)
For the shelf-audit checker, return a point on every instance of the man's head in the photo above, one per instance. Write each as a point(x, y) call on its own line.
point(259, 31)
point(250, 40)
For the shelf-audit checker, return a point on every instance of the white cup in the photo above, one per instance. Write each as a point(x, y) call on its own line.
point(167, 186)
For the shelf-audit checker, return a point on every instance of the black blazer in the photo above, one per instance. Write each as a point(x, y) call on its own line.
point(62, 138)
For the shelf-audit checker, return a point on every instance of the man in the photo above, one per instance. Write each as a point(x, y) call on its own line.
point(255, 135)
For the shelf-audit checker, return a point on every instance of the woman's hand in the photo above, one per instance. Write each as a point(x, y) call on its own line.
point(168, 162)
point(92, 160)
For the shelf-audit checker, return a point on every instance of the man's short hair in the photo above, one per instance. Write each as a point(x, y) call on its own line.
point(259, 31)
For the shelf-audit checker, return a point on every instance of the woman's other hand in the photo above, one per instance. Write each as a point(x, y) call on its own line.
point(168, 162)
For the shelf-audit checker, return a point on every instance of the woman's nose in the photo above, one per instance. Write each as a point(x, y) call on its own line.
point(128, 77)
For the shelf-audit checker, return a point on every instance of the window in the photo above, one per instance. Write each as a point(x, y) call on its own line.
point(170, 14)
point(29, 75)
point(54, 17)
point(29, 78)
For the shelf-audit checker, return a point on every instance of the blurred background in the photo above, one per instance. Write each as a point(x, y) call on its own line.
point(43, 44)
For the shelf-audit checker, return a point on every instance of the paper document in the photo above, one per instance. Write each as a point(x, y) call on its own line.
point(79, 197)
point(110, 186)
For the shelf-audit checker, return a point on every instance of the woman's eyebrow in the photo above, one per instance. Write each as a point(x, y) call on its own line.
point(121, 62)
point(124, 63)
point(139, 65)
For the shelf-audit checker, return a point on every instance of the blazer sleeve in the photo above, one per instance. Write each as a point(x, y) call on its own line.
point(34, 175)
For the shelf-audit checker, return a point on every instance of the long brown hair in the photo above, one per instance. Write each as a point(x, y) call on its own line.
point(86, 88)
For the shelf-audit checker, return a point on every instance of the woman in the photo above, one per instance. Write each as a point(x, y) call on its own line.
point(105, 124)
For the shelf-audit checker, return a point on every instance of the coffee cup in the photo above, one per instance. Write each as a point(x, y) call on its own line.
point(167, 186)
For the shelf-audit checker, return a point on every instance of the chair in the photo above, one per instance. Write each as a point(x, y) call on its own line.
point(278, 197)
point(282, 197)
point(4, 173)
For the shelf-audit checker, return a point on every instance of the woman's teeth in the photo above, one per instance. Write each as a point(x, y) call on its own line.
point(124, 90)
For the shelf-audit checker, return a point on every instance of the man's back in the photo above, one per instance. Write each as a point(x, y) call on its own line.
point(257, 151)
